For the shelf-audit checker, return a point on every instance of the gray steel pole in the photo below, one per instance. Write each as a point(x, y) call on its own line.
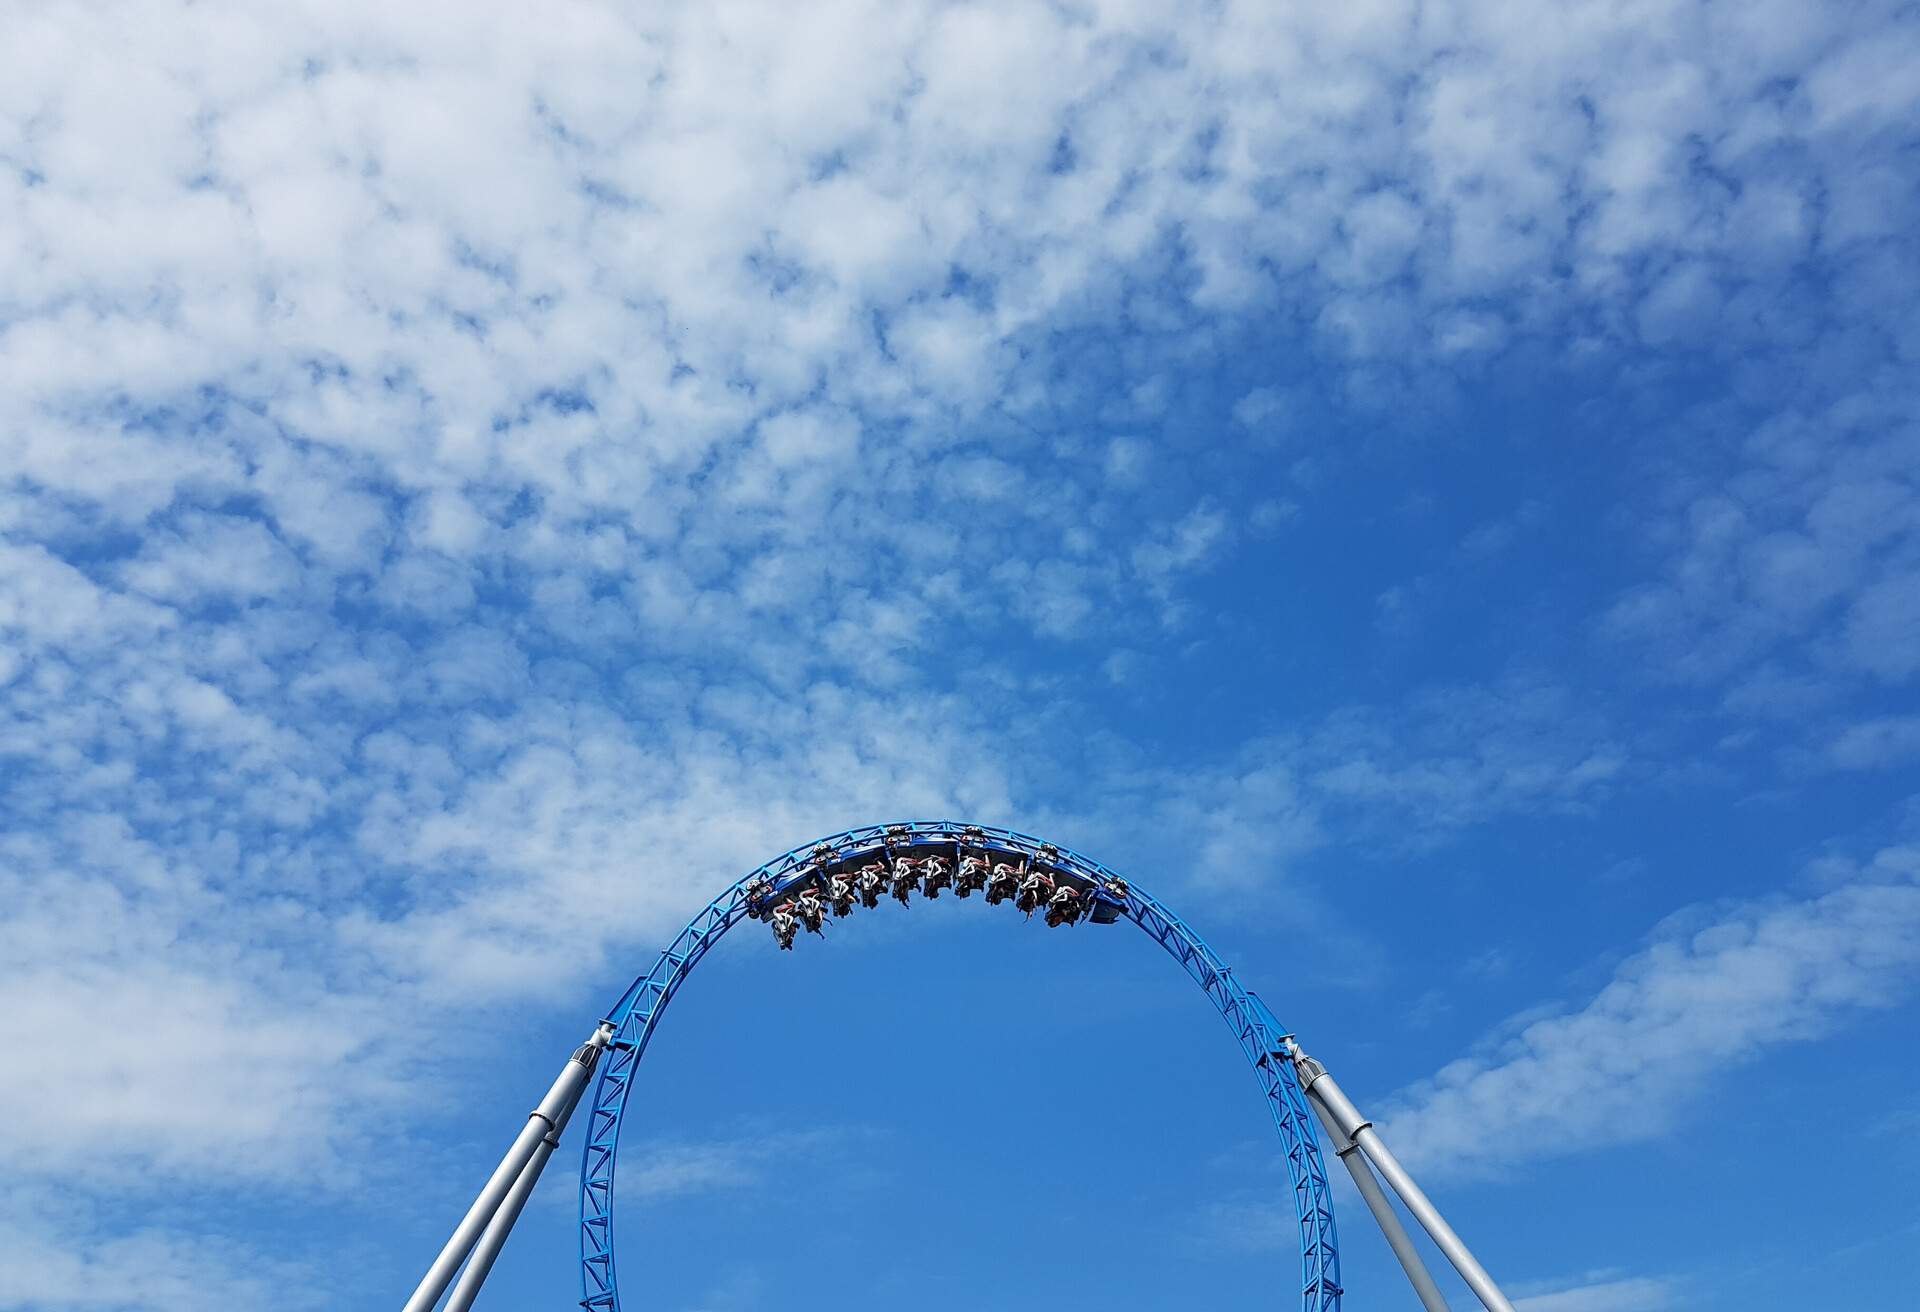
point(1382, 1208)
point(1315, 1080)
point(542, 1121)
point(494, 1237)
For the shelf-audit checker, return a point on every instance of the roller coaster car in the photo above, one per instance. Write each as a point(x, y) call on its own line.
point(1104, 900)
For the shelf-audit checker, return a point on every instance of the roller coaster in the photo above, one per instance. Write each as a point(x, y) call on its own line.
point(854, 870)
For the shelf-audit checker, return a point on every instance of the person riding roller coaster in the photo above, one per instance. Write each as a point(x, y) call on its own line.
point(1001, 883)
point(936, 876)
point(757, 891)
point(1063, 908)
point(840, 894)
point(1034, 889)
point(812, 912)
point(972, 876)
point(785, 925)
point(906, 878)
point(872, 883)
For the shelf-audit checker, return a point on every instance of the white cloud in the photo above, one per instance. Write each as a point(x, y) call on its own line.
point(50, 1260)
point(1814, 531)
point(1128, 459)
point(1183, 547)
point(1253, 1225)
point(1389, 778)
point(1457, 756)
point(1604, 1291)
point(661, 1170)
point(207, 557)
point(1873, 744)
point(148, 1045)
point(1705, 996)
point(1262, 409)
point(1883, 626)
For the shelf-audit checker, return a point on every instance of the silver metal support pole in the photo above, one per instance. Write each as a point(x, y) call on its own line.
point(543, 1120)
point(1382, 1208)
point(494, 1237)
point(1322, 1086)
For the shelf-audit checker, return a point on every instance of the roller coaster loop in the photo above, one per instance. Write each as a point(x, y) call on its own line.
point(1262, 1040)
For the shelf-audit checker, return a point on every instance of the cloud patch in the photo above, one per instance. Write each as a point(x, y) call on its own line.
point(1710, 993)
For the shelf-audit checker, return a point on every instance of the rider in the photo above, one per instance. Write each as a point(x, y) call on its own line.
point(906, 878)
point(1000, 883)
point(1063, 908)
point(840, 893)
point(973, 874)
point(1033, 890)
point(936, 876)
point(812, 913)
point(785, 925)
point(757, 890)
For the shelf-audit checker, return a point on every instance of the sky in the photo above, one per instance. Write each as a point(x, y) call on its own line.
point(1430, 490)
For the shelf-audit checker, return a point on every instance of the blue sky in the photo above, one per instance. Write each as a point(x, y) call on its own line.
point(1427, 489)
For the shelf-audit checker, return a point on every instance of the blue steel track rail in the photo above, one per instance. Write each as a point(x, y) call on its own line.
point(1262, 1040)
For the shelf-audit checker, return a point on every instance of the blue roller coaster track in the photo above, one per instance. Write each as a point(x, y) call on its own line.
point(1107, 897)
